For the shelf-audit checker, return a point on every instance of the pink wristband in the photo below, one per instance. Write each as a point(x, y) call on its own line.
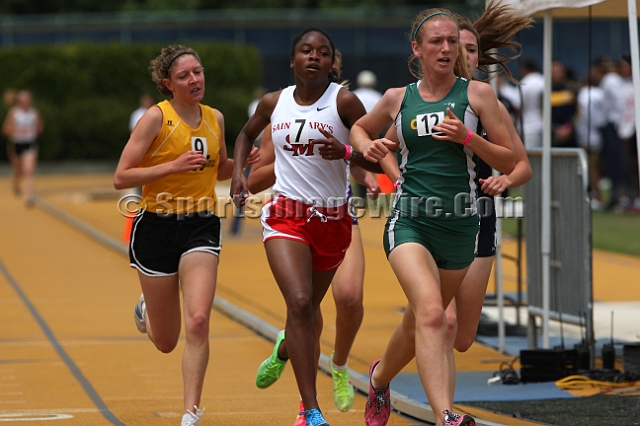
point(468, 138)
point(396, 184)
point(348, 153)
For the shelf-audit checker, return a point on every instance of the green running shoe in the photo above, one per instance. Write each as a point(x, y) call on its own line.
point(271, 369)
point(342, 388)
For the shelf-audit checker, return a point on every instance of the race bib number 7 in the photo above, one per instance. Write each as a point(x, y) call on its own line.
point(425, 123)
point(299, 133)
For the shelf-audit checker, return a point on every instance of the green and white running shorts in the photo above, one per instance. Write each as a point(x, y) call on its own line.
point(452, 243)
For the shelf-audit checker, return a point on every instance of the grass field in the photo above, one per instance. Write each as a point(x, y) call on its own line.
point(617, 232)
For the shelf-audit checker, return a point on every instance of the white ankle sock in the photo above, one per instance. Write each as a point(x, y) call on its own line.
point(339, 367)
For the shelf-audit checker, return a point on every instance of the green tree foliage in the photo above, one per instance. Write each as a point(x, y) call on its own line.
point(86, 92)
point(157, 5)
point(20, 7)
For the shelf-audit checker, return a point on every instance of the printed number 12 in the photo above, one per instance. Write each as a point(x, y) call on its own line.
point(425, 123)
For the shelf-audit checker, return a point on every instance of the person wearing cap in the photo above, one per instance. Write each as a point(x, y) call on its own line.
point(369, 96)
point(366, 90)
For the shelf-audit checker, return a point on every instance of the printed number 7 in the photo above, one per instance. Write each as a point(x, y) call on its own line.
point(302, 122)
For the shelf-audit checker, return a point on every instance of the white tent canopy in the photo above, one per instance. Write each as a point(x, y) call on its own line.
point(571, 8)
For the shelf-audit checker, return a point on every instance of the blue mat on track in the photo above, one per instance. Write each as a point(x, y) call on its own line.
point(472, 386)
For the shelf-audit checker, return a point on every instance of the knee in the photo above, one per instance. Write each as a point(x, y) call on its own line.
point(349, 302)
point(299, 307)
point(431, 317)
point(197, 327)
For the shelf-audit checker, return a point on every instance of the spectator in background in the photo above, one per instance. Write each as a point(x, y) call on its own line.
point(563, 106)
point(532, 84)
point(627, 131)
point(23, 125)
point(509, 95)
point(589, 121)
point(238, 215)
point(257, 95)
point(369, 96)
point(9, 100)
point(366, 91)
point(146, 100)
point(615, 97)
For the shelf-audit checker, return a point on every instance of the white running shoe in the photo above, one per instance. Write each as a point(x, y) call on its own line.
point(191, 419)
point(138, 315)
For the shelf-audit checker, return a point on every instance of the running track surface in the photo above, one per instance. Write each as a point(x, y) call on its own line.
point(70, 353)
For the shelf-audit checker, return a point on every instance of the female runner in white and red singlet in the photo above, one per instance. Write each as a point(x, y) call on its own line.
point(307, 226)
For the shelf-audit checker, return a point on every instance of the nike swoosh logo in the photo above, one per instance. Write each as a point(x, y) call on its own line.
point(323, 108)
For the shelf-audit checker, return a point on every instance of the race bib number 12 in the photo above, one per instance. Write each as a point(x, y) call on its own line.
point(425, 123)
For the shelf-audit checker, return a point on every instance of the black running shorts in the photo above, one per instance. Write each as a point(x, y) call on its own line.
point(159, 241)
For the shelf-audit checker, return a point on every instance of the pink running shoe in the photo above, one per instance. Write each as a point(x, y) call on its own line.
point(451, 419)
point(300, 420)
point(378, 407)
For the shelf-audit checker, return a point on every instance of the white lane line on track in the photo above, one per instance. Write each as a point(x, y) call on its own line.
point(51, 411)
point(42, 414)
point(21, 417)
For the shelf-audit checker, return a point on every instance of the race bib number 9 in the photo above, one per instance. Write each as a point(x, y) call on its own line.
point(299, 133)
point(198, 143)
point(425, 123)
